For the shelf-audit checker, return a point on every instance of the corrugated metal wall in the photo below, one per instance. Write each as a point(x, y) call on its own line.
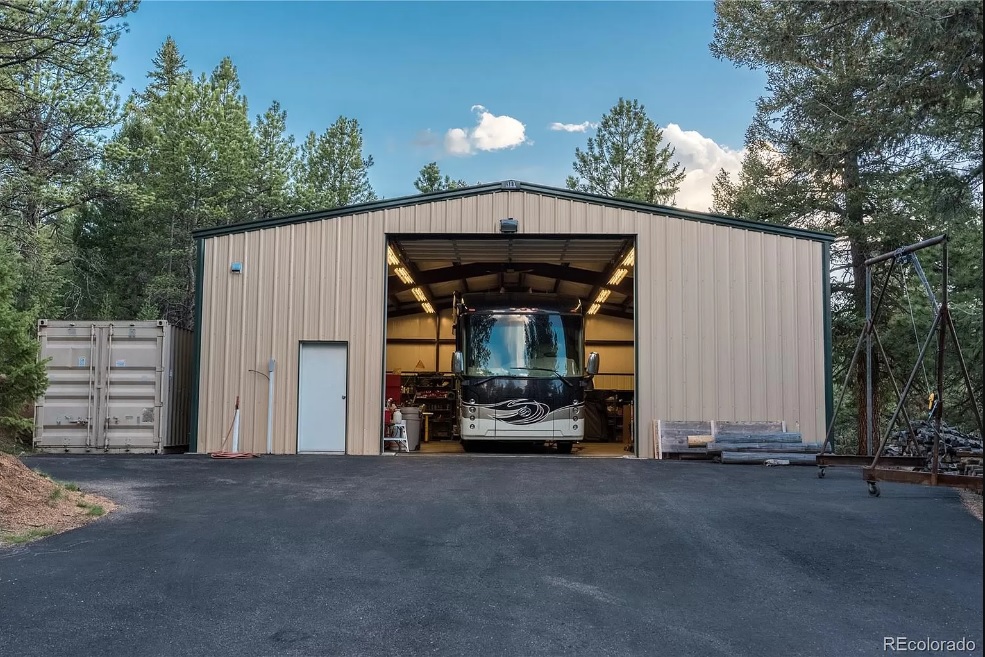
point(729, 321)
point(114, 386)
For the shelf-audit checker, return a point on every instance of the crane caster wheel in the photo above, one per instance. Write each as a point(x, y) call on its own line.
point(820, 473)
point(873, 489)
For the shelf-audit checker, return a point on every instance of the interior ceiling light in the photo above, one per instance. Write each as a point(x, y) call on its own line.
point(594, 308)
point(391, 257)
point(404, 275)
point(618, 276)
point(428, 308)
point(419, 294)
point(603, 295)
point(630, 258)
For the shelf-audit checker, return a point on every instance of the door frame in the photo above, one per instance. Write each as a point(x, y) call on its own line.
point(297, 386)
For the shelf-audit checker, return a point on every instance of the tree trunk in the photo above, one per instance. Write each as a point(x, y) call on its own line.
point(860, 251)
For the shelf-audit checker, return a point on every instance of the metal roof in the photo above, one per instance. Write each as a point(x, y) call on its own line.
point(513, 185)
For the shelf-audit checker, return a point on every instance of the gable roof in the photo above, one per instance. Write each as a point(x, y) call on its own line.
point(514, 186)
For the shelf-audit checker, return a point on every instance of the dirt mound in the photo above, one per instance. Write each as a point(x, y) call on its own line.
point(32, 505)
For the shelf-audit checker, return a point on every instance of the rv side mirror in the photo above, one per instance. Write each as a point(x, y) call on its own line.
point(593, 364)
point(458, 363)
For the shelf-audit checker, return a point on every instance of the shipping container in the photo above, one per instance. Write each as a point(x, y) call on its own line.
point(114, 386)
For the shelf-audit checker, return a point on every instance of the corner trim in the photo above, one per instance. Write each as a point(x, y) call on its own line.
point(829, 396)
point(197, 362)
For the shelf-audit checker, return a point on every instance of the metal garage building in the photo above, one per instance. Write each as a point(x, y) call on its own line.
point(732, 320)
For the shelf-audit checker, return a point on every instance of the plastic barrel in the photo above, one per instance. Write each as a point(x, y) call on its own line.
point(412, 417)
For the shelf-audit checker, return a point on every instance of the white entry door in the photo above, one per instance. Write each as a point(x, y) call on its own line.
point(321, 397)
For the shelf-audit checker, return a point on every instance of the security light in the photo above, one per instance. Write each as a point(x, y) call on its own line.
point(509, 225)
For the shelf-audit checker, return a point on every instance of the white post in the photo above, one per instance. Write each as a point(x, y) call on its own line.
point(270, 406)
point(236, 428)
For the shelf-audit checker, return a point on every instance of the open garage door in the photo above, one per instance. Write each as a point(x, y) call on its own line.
point(525, 314)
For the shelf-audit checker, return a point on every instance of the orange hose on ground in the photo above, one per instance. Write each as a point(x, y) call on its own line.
point(221, 454)
point(233, 455)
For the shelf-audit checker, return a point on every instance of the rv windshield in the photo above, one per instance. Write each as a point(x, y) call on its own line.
point(538, 345)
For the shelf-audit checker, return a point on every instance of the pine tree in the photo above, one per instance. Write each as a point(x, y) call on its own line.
point(274, 160)
point(332, 171)
point(169, 67)
point(430, 180)
point(56, 97)
point(185, 158)
point(625, 158)
point(22, 376)
point(874, 114)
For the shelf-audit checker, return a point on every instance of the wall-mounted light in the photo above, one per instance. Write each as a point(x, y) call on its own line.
point(509, 225)
point(236, 268)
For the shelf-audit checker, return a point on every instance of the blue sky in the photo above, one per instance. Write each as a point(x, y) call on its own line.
point(410, 72)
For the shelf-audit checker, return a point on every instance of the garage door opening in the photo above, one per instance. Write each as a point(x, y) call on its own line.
point(489, 343)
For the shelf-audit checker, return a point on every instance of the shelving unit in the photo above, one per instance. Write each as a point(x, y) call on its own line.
point(437, 394)
point(408, 389)
point(619, 411)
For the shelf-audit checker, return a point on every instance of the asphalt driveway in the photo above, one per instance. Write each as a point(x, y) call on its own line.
point(490, 556)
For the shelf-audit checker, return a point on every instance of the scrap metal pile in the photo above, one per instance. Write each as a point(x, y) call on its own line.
point(959, 452)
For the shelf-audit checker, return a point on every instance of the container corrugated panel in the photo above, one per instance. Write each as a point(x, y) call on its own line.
point(113, 386)
point(178, 402)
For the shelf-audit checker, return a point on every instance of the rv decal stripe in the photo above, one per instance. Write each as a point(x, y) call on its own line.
point(520, 411)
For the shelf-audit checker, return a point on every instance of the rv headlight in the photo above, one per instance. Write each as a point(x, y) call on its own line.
point(472, 417)
point(472, 409)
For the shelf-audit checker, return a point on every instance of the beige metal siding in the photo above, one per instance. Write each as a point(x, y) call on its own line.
point(113, 386)
point(729, 320)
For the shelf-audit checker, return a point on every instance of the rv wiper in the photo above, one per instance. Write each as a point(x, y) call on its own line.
point(488, 378)
point(544, 369)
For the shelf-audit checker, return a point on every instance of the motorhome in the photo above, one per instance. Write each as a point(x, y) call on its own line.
point(522, 369)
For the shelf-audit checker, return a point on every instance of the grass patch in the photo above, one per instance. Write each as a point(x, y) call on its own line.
point(12, 445)
point(94, 510)
point(43, 474)
point(72, 487)
point(56, 495)
point(28, 536)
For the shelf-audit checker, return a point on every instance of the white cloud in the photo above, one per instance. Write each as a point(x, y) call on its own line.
point(491, 133)
point(703, 158)
point(573, 127)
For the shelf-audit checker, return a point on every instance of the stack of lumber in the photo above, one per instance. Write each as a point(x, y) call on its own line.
point(676, 439)
point(758, 443)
